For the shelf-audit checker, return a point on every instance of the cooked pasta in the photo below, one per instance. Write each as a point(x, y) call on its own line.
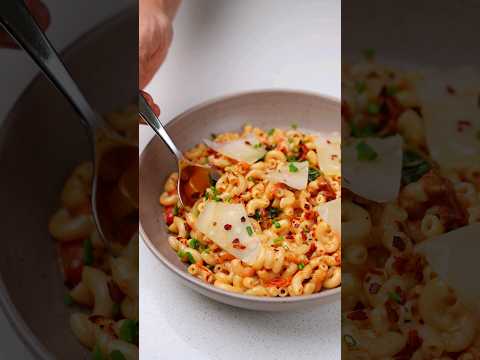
point(102, 282)
point(393, 305)
point(297, 253)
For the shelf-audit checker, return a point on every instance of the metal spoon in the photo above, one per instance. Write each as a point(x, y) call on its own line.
point(111, 158)
point(193, 179)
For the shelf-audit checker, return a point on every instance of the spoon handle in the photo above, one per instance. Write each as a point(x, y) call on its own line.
point(149, 116)
point(20, 24)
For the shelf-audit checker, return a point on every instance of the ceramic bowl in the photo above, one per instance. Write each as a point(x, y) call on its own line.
point(265, 109)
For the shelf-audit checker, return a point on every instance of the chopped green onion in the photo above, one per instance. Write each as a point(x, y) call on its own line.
point(313, 174)
point(292, 168)
point(369, 54)
point(181, 254)
point(88, 257)
point(365, 152)
point(292, 158)
point(117, 355)
point(257, 215)
point(270, 132)
point(373, 109)
point(68, 300)
point(190, 257)
point(301, 266)
point(350, 341)
point(366, 131)
point(395, 297)
point(97, 353)
point(175, 210)
point(194, 243)
point(278, 240)
point(360, 86)
point(129, 331)
point(414, 167)
point(249, 230)
point(273, 212)
point(294, 126)
point(257, 146)
point(228, 199)
point(250, 178)
point(277, 224)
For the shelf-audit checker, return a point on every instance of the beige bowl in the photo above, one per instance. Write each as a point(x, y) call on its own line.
point(265, 109)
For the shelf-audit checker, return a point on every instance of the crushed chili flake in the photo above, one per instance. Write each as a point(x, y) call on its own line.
point(214, 223)
point(227, 227)
point(392, 314)
point(242, 219)
point(248, 143)
point(328, 141)
point(237, 245)
point(359, 306)
point(450, 90)
point(311, 249)
point(307, 207)
point(463, 124)
point(334, 157)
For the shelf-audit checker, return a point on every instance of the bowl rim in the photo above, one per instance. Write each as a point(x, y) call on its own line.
point(184, 275)
point(18, 324)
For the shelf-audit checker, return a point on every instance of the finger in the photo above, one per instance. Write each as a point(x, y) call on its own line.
point(151, 103)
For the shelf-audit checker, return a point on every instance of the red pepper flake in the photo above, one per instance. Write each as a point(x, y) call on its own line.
point(237, 245)
point(450, 90)
point(248, 143)
point(357, 315)
point(328, 141)
point(392, 314)
point(311, 249)
point(214, 223)
point(307, 207)
point(227, 227)
point(334, 157)
point(463, 124)
point(242, 219)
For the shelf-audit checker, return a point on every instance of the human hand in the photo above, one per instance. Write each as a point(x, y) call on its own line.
point(155, 35)
point(41, 15)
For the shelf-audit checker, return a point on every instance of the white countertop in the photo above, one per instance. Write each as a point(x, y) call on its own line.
point(222, 47)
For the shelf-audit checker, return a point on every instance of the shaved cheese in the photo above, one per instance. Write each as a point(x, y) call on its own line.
point(293, 174)
point(329, 154)
point(222, 223)
point(377, 179)
point(331, 213)
point(452, 124)
point(245, 149)
point(454, 257)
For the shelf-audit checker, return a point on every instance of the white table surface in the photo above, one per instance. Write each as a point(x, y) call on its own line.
point(70, 19)
point(222, 47)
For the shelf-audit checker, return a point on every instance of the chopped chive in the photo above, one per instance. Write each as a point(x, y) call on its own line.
point(190, 257)
point(129, 331)
point(292, 158)
point(88, 257)
point(97, 353)
point(313, 174)
point(228, 199)
point(117, 355)
point(277, 224)
point(360, 86)
point(181, 254)
point(68, 300)
point(294, 126)
point(257, 215)
point(273, 212)
point(175, 210)
point(194, 243)
point(270, 132)
point(301, 266)
point(365, 152)
point(249, 230)
point(350, 340)
point(257, 146)
point(292, 168)
point(250, 178)
point(373, 109)
point(366, 131)
point(278, 240)
point(395, 297)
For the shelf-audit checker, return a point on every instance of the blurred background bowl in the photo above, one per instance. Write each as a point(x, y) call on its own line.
point(41, 141)
point(265, 109)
